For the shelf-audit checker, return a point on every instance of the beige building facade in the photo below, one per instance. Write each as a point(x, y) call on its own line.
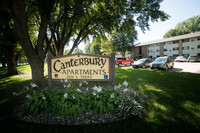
point(183, 45)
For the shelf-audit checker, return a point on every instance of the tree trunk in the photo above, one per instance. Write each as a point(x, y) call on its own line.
point(10, 58)
point(72, 49)
point(37, 67)
point(123, 53)
point(35, 56)
point(3, 64)
point(61, 49)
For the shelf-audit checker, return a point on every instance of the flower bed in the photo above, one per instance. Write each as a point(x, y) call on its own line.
point(80, 106)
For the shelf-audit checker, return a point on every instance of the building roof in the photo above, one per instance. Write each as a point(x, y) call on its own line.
point(186, 36)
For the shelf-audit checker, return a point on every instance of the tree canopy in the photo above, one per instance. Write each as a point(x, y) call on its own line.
point(93, 48)
point(57, 22)
point(123, 40)
point(190, 25)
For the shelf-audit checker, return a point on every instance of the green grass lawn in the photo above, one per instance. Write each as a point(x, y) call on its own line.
point(172, 103)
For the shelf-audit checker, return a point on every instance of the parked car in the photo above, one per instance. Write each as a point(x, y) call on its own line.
point(192, 59)
point(162, 63)
point(142, 63)
point(123, 61)
point(180, 59)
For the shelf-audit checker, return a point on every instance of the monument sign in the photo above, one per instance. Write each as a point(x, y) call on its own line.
point(81, 67)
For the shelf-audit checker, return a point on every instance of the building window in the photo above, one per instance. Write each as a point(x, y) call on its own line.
point(176, 48)
point(198, 39)
point(165, 49)
point(140, 50)
point(164, 43)
point(157, 44)
point(186, 55)
point(175, 55)
point(198, 46)
point(186, 47)
point(192, 40)
point(157, 50)
point(186, 40)
point(198, 54)
point(174, 42)
point(158, 55)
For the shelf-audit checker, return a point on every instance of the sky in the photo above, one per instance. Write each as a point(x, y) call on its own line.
point(179, 10)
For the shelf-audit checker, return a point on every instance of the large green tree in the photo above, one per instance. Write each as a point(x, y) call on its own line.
point(60, 21)
point(119, 41)
point(123, 40)
point(35, 53)
point(107, 46)
point(190, 25)
point(8, 38)
point(93, 48)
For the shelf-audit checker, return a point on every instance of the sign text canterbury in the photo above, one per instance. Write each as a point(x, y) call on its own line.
point(58, 65)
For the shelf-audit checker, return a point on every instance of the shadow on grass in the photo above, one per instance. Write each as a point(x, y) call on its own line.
point(172, 98)
point(7, 101)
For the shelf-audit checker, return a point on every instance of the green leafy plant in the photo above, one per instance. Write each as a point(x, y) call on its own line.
point(71, 101)
point(127, 106)
point(102, 100)
point(57, 101)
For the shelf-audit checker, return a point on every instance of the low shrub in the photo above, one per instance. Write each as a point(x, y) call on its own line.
point(127, 106)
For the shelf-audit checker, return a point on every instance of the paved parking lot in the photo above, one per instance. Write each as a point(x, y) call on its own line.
point(186, 67)
point(193, 67)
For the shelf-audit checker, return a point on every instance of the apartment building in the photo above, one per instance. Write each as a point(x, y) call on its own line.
point(185, 45)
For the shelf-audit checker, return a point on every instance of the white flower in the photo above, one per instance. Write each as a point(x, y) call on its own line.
point(125, 90)
point(93, 93)
point(95, 88)
point(125, 83)
point(116, 87)
point(68, 86)
point(112, 96)
point(87, 89)
point(65, 95)
point(27, 88)
point(66, 80)
point(97, 96)
point(33, 85)
point(78, 90)
point(28, 96)
point(119, 86)
point(14, 93)
point(43, 97)
point(73, 97)
point(61, 80)
point(85, 82)
point(64, 86)
point(80, 84)
point(99, 89)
